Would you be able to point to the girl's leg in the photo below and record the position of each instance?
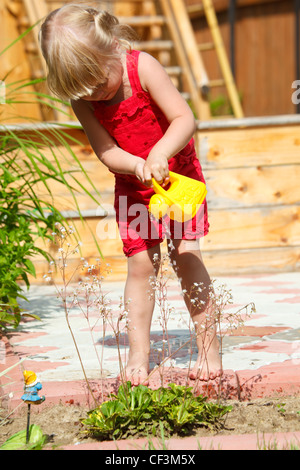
(196, 285)
(140, 308)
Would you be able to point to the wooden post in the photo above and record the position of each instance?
(192, 50)
(200, 103)
(222, 57)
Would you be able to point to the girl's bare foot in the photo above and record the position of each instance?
(208, 365)
(137, 370)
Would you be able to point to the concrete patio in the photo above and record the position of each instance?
(260, 359)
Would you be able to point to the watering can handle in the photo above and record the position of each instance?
(158, 188)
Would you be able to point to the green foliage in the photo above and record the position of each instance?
(281, 407)
(17, 242)
(25, 215)
(37, 440)
(142, 411)
(220, 106)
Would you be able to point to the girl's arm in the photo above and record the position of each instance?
(104, 145)
(156, 81)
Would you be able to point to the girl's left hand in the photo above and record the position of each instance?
(156, 168)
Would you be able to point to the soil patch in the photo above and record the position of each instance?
(61, 423)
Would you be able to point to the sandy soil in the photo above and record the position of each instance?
(62, 422)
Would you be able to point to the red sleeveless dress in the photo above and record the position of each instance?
(136, 124)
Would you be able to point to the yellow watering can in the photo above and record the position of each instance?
(181, 200)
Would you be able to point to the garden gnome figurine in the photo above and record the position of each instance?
(32, 388)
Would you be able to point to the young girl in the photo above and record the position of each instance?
(140, 127)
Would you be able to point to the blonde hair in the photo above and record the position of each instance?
(77, 42)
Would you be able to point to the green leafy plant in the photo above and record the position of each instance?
(17, 245)
(281, 407)
(37, 440)
(142, 411)
(26, 172)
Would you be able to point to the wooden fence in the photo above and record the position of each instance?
(252, 169)
(263, 56)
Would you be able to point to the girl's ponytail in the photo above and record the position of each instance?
(108, 28)
(105, 26)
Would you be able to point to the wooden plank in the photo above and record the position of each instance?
(249, 147)
(253, 228)
(221, 263)
(114, 269)
(227, 262)
(197, 10)
(135, 21)
(249, 122)
(259, 185)
(242, 229)
(267, 227)
(126, 8)
(63, 201)
(109, 242)
(100, 176)
(248, 160)
(156, 45)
